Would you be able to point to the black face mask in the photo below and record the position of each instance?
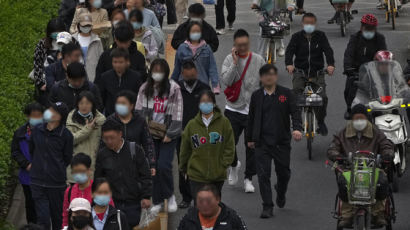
(190, 82)
(80, 222)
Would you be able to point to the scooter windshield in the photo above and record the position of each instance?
(383, 81)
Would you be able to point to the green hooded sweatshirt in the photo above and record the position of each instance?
(206, 153)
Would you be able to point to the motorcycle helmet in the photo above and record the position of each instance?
(369, 19)
(383, 55)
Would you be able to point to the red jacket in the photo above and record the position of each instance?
(76, 193)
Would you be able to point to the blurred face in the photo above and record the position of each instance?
(112, 139)
(195, 17)
(36, 115)
(103, 189)
(120, 64)
(242, 45)
(118, 17)
(80, 219)
(123, 45)
(205, 99)
(56, 116)
(75, 56)
(207, 203)
(189, 75)
(85, 106)
(269, 79)
(81, 213)
(80, 168)
(195, 29)
(124, 101)
(77, 82)
(359, 117)
(309, 21)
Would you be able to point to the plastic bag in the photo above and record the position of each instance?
(149, 220)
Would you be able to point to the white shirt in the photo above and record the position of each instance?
(84, 41)
(123, 142)
(207, 121)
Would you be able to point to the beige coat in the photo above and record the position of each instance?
(86, 140)
(95, 49)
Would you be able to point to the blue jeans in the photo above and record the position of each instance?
(163, 182)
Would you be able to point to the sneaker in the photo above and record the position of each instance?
(249, 188)
(233, 174)
(280, 199)
(333, 19)
(156, 208)
(172, 204)
(184, 204)
(380, 5)
(231, 27)
(185, 17)
(322, 130)
(281, 51)
(220, 32)
(267, 213)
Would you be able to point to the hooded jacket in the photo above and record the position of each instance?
(150, 45)
(136, 130)
(228, 219)
(111, 223)
(95, 49)
(206, 152)
(20, 151)
(347, 140)
(204, 60)
(208, 34)
(51, 153)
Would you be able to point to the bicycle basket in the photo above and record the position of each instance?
(312, 100)
(273, 29)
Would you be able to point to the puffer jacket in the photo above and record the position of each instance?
(95, 49)
(86, 140)
(347, 140)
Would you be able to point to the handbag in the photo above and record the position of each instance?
(157, 130)
(232, 92)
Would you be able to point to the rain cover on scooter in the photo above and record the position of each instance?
(382, 82)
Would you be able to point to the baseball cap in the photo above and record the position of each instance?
(85, 19)
(64, 37)
(80, 204)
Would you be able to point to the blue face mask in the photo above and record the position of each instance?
(121, 109)
(102, 200)
(368, 35)
(309, 28)
(97, 4)
(33, 121)
(206, 107)
(80, 178)
(54, 35)
(47, 116)
(195, 36)
(85, 115)
(136, 25)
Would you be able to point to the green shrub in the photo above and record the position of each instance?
(22, 25)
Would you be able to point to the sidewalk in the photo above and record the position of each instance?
(17, 213)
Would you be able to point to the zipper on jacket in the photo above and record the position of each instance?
(209, 155)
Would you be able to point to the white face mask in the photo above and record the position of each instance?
(85, 29)
(360, 124)
(157, 77)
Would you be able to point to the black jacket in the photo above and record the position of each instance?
(288, 109)
(360, 51)
(61, 91)
(228, 219)
(16, 153)
(137, 131)
(308, 53)
(66, 12)
(51, 154)
(137, 62)
(208, 34)
(129, 176)
(54, 73)
(110, 85)
(111, 223)
(191, 100)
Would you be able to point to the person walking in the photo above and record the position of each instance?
(51, 148)
(85, 122)
(21, 154)
(191, 87)
(220, 17)
(125, 167)
(207, 146)
(149, 16)
(79, 216)
(160, 103)
(240, 70)
(271, 111)
(304, 60)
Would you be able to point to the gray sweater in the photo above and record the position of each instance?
(231, 73)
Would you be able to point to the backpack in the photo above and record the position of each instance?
(160, 37)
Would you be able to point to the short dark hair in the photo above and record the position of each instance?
(81, 159)
(131, 96)
(77, 118)
(111, 125)
(240, 33)
(68, 48)
(117, 11)
(124, 31)
(188, 64)
(209, 93)
(196, 9)
(267, 68)
(309, 15)
(97, 183)
(33, 107)
(76, 70)
(137, 14)
(119, 52)
(210, 188)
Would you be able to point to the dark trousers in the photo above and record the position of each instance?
(239, 122)
(280, 155)
(163, 182)
(219, 12)
(132, 211)
(29, 202)
(299, 3)
(196, 186)
(49, 205)
(171, 12)
(350, 91)
(184, 187)
(299, 82)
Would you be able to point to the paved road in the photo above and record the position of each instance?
(312, 187)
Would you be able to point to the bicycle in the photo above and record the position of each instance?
(274, 27)
(391, 12)
(342, 15)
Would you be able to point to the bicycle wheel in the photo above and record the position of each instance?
(343, 24)
(309, 137)
(393, 11)
(269, 52)
(360, 223)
